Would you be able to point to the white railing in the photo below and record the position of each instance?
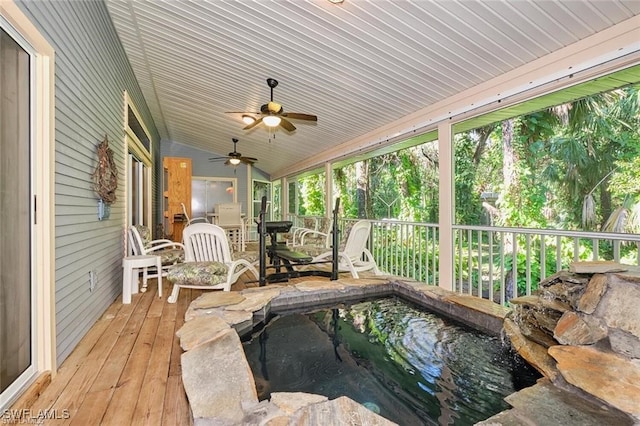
(406, 249)
(484, 255)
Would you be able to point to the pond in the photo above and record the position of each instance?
(397, 359)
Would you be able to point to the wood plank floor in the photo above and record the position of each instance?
(126, 370)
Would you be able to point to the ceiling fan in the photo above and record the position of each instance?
(272, 114)
(234, 158)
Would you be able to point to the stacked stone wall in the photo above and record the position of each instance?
(582, 328)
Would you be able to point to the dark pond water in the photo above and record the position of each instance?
(407, 364)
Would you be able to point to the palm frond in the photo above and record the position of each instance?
(633, 223)
(617, 221)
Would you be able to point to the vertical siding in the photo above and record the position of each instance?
(91, 74)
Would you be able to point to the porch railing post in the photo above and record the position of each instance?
(446, 208)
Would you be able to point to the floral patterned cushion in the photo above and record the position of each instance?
(309, 222)
(145, 234)
(198, 273)
(249, 256)
(170, 256)
(311, 250)
(324, 225)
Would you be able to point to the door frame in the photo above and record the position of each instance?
(134, 147)
(42, 126)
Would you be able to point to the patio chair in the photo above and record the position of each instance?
(354, 256)
(293, 236)
(190, 220)
(229, 218)
(141, 244)
(208, 263)
(320, 237)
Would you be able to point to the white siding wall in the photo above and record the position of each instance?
(91, 74)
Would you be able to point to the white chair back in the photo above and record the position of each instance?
(205, 242)
(357, 240)
(136, 244)
(229, 214)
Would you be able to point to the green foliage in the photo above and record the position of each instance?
(468, 203)
(312, 194)
(588, 148)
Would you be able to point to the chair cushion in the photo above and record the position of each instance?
(312, 250)
(250, 256)
(145, 234)
(170, 256)
(198, 273)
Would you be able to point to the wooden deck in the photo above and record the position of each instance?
(126, 370)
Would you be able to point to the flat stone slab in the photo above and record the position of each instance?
(264, 413)
(576, 329)
(589, 300)
(481, 305)
(545, 404)
(255, 301)
(200, 330)
(533, 353)
(361, 282)
(218, 363)
(236, 317)
(290, 402)
(607, 376)
(619, 306)
(431, 291)
(596, 267)
(217, 299)
(319, 285)
(339, 411)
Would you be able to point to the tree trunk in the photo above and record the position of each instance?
(483, 137)
(362, 185)
(605, 201)
(509, 159)
(508, 155)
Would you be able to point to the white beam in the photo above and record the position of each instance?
(446, 197)
(328, 189)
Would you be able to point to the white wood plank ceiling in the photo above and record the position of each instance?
(359, 66)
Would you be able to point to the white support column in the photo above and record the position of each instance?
(249, 199)
(284, 198)
(446, 205)
(328, 189)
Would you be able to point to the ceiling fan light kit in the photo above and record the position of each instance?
(234, 158)
(271, 120)
(247, 119)
(272, 114)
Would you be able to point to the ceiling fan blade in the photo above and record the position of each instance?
(248, 160)
(298, 116)
(217, 158)
(287, 125)
(254, 124)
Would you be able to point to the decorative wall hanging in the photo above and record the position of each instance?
(105, 177)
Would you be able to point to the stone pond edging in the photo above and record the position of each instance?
(222, 391)
(216, 375)
(582, 332)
